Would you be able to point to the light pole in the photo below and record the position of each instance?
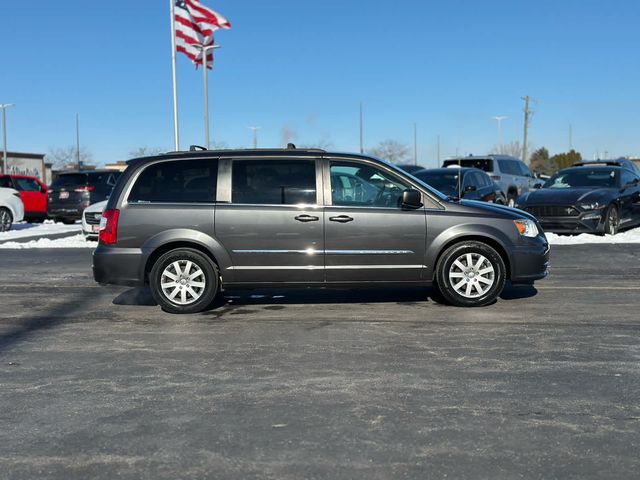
(204, 49)
(255, 136)
(499, 119)
(4, 107)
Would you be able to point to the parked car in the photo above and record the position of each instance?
(513, 175)
(32, 192)
(72, 192)
(410, 168)
(281, 221)
(467, 183)
(620, 162)
(91, 220)
(11, 208)
(598, 199)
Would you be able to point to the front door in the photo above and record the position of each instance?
(368, 236)
(273, 226)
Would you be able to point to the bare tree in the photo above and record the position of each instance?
(66, 157)
(391, 150)
(323, 143)
(513, 149)
(288, 134)
(145, 151)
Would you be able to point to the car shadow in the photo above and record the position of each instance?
(141, 296)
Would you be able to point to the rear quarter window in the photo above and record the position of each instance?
(181, 181)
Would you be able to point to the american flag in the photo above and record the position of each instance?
(195, 25)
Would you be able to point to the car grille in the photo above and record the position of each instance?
(92, 218)
(553, 211)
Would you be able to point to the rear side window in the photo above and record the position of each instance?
(274, 182)
(485, 164)
(183, 181)
(70, 180)
(5, 182)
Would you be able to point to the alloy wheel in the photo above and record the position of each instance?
(183, 282)
(471, 275)
(5, 220)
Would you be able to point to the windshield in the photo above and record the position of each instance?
(446, 182)
(584, 177)
(70, 180)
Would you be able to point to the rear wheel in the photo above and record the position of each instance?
(5, 220)
(612, 221)
(184, 281)
(470, 274)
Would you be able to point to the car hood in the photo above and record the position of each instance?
(489, 209)
(568, 196)
(97, 207)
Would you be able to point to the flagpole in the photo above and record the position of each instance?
(205, 62)
(176, 134)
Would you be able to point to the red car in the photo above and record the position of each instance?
(32, 192)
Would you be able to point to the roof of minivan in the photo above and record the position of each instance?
(97, 170)
(280, 152)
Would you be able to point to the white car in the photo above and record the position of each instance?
(11, 208)
(91, 220)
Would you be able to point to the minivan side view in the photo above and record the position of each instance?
(189, 224)
(512, 174)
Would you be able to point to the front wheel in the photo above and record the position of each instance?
(470, 274)
(612, 221)
(184, 281)
(5, 220)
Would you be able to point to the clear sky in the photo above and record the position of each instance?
(303, 66)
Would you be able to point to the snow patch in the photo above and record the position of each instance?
(48, 227)
(76, 241)
(630, 236)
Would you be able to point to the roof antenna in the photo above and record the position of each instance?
(291, 146)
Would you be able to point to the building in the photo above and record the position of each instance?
(32, 164)
(119, 166)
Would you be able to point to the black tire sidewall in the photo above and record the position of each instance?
(8, 212)
(447, 259)
(607, 220)
(211, 277)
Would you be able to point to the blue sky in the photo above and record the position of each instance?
(304, 66)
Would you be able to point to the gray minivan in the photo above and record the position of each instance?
(190, 223)
(511, 174)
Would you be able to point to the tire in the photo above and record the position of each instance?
(184, 289)
(6, 219)
(612, 221)
(68, 221)
(462, 286)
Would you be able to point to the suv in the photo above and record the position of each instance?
(72, 192)
(512, 175)
(32, 192)
(189, 223)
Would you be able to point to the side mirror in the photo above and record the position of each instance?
(411, 199)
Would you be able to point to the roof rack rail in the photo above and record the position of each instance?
(197, 148)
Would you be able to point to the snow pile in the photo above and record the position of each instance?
(76, 241)
(48, 227)
(630, 236)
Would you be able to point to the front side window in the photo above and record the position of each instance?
(273, 182)
(181, 181)
(361, 185)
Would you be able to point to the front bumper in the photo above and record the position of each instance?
(118, 266)
(587, 222)
(530, 262)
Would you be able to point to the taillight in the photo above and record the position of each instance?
(109, 227)
(495, 177)
(88, 188)
(16, 194)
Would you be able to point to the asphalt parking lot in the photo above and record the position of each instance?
(96, 382)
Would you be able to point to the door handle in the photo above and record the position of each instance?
(341, 219)
(307, 218)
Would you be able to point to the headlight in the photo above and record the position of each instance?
(591, 206)
(526, 228)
